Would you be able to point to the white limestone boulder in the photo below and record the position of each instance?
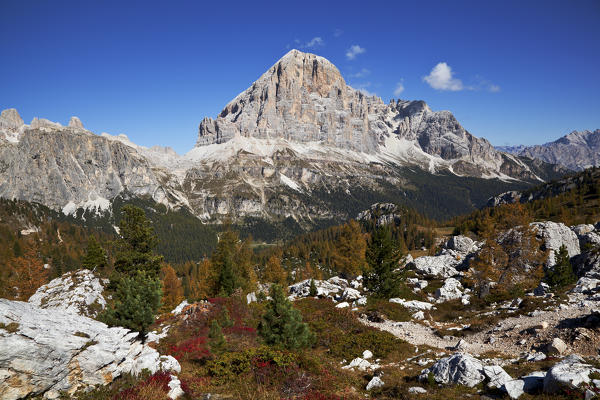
(459, 369)
(442, 266)
(375, 383)
(450, 290)
(569, 373)
(413, 305)
(554, 235)
(78, 292)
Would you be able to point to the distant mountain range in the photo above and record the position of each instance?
(576, 151)
(299, 148)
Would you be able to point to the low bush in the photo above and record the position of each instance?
(351, 346)
(230, 364)
(393, 311)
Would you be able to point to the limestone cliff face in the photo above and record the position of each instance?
(302, 98)
(71, 167)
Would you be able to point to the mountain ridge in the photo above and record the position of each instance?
(577, 150)
(297, 144)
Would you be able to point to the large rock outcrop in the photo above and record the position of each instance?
(554, 235)
(569, 373)
(48, 351)
(304, 99)
(78, 292)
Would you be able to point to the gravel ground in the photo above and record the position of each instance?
(513, 336)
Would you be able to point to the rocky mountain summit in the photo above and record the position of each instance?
(304, 99)
(576, 151)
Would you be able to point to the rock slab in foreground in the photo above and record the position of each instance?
(46, 351)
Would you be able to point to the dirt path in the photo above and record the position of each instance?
(513, 336)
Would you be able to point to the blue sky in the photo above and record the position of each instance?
(512, 71)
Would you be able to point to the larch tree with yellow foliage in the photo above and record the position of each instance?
(172, 289)
(350, 246)
(274, 272)
(27, 274)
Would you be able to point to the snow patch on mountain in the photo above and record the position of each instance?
(97, 205)
(287, 181)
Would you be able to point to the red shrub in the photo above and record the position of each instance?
(195, 348)
(159, 380)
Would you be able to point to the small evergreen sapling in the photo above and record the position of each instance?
(382, 256)
(136, 300)
(216, 339)
(561, 274)
(282, 324)
(95, 256)
(312, 290)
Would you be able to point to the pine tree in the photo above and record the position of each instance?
(227, 280)
(216, 339)
(282, 324)
(136, 244)
(26, 275)
(312, 290)
(561, 274)
(137, 280)
(381, 279)
(136, 300)
(348, 257)
(226, 320)
(227, 276)
(95, 256)
(201, 280)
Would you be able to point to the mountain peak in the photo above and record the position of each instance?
(301, 98)
(10, 118)
(307, 70)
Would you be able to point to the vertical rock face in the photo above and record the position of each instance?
(10, 119)
(59, 166)
(75, 123)
(302, 98)
(11, 125)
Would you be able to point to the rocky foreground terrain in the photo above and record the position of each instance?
(536, 343)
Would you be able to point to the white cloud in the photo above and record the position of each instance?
(440, 78)
(317, 41)
(338, 33)
(399, 89)
(363, 88)
(314, 42)
(353, 51)
(360, 74)
(481, 83)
